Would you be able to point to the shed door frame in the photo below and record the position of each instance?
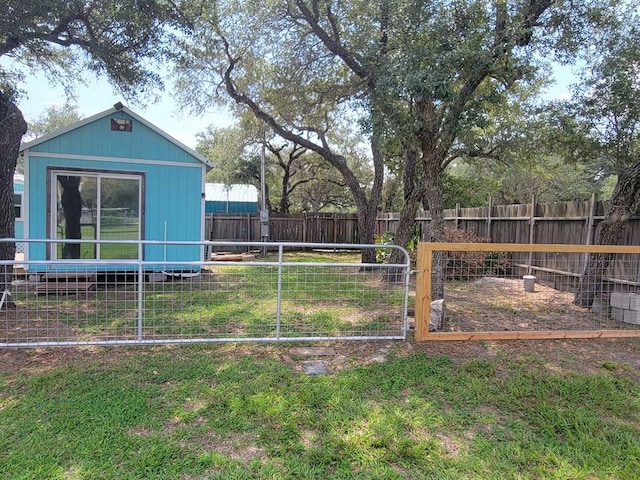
(53, 188)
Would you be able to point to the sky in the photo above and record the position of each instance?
(98, 96)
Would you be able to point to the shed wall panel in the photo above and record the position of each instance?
(97, 139)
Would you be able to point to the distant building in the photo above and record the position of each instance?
(221, 198)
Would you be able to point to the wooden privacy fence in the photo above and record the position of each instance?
(508, 291)
(307, 227)
(538, 223)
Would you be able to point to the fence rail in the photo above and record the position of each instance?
(500, 291)
(324, 293)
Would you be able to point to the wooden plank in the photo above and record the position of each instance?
(231, 257)
(528, 335)
(65, 287)
(519, 247)
(423, 292)
(68, 276)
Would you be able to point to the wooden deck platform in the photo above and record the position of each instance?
(66, 283)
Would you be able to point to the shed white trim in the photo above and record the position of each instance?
(96, 158)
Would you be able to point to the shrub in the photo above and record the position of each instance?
(469, 265)
(382, 254)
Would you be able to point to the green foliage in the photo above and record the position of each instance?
(382, 254)
(53, 118)
(470, 265)
(118, 39)
(297, 179)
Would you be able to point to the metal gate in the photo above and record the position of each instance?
(242, 292)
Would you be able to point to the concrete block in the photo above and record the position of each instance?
(156, 277)
(620, 300)
(436, 315)
(314, 368)
(600, 307)
(632, 316)
(617, 314)
(634, 302)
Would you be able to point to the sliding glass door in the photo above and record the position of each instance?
(95, 206)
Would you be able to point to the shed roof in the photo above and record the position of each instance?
(111, 111)
(219, 192)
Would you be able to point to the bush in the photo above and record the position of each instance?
(471, 265)
(382, 254)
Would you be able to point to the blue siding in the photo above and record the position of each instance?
(97, 139)
(216, 206)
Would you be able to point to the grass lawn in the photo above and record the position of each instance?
(512, 410)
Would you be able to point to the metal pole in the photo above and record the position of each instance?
(263, 194)
(263, 183)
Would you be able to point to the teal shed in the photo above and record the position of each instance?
(112, 176)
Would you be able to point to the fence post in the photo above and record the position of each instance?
(590, 228)
(248, 229)
(423, 292)
(489, 212)
(532, 232)
(304, 227)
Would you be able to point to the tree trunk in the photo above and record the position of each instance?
(406, 222)
(624, 203)
(286, 177)
(72, 207)
(433, 184)
(367, 218)
(12, 128)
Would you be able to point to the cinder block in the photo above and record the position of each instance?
(620, 300)
(634, 301)
(632, 316)
(618, 314)
(600, 307)
(156, 277)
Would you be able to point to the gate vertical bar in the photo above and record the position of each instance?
(279, 301)
(405, 301)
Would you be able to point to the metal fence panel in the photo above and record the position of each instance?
(321, 293)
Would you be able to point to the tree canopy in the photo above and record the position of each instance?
(121, 40)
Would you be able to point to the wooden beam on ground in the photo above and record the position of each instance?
(528, 335)
(69, 288)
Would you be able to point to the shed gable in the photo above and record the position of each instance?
(98, 138)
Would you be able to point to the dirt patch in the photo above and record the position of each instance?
(501, 304)
(587, 356)
(582, 356)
